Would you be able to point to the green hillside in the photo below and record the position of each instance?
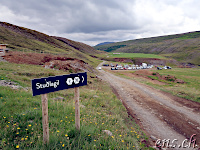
(182, 47)
(27, 40)
(21, 113)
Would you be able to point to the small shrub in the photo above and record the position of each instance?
(51, 74)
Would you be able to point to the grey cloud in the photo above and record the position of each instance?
(77, 15)
(104, 20)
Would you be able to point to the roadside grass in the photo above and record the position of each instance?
(189, 90)
(21, 115)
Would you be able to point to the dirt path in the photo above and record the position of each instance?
(159, 115)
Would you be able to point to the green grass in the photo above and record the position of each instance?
(21, 115)
(189, 90)
(135, 55)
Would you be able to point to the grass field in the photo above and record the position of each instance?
(189, 90)
(134, 55)
(21, 115)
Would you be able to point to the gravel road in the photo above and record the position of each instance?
(160, 115)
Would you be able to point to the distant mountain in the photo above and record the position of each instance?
(27, 40)
(104, 43)
(182, 47)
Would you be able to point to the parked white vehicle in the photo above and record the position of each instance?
(144, 65)
(138, 68)
(165, 67)
(151, 66)
(119, 67)
(99, 68)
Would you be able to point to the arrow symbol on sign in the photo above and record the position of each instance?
(83, 79)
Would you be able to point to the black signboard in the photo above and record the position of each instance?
(56, 83)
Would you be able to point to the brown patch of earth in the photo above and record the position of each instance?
(123, 60)
(150, 74)
(48, 61)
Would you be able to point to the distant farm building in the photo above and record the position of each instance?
(3, 49)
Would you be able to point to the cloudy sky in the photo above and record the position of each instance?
(96, 21)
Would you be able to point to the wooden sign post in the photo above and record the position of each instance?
(45, 122)
(77, 108)
(56, 83)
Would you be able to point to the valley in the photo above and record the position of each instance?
(120, 109)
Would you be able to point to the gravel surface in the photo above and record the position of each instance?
(160, 115)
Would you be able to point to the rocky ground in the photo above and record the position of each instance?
(12, 85)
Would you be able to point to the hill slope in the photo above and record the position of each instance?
(27, 40)
(182, 47)
(104, 43)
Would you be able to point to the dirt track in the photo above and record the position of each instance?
(159, 114)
